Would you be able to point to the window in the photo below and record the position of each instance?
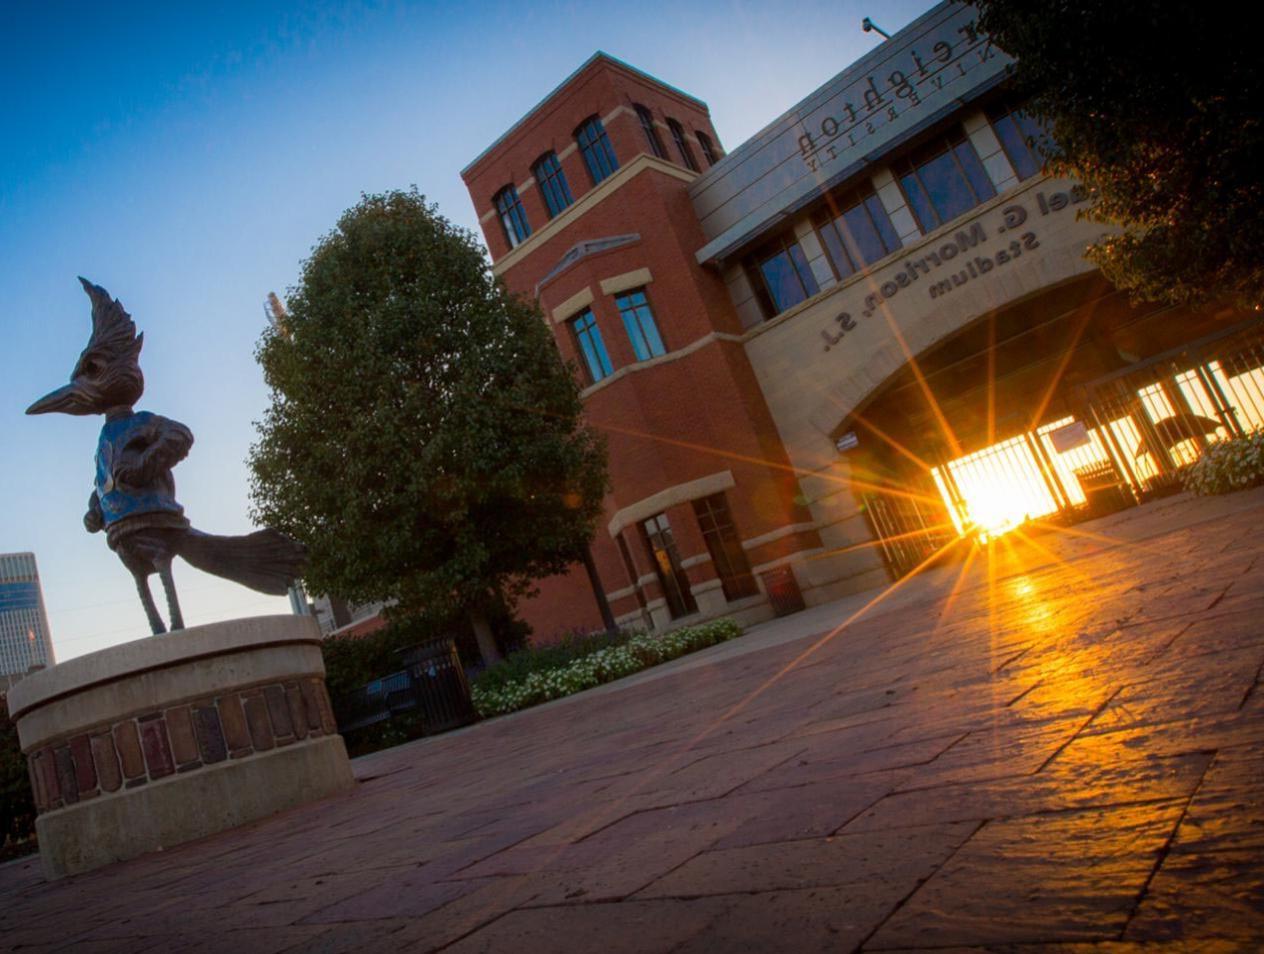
(682, 145)
(512, 215)
(859, 234)
(726, 550)
(552, 182)
(651, 134)
(638, 318)
(708, 148)
(943, 180)
(782, 277)
(1019, 133)
(671, 576)
(594, 146)
(588, 339)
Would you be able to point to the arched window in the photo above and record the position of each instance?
(709, 151)
(512, 216)
(552, 182)
(651, 134)
(682, 144)
(594, 146)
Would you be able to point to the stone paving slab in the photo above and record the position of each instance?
(1061, 749)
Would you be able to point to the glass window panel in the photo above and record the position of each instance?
(709, 151)
(638, 319)
(806, 277)
(591, 346)
(553, 184)
(979, 180)
(844, 265)
(512, 216)
(858, 230)
(595, 147)
(682, 145)
(651, 133)
(947, 187)
(882, 222)
(927, 218)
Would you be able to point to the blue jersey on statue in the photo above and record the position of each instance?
(135, 454)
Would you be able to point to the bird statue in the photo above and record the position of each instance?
(134, 497)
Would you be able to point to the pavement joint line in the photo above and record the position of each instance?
(918, 887)
(1034, 686)
(1250, 690)
(839, 830)
(1076, 734)
(1165, 849)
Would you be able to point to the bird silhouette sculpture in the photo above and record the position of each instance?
(134, 498)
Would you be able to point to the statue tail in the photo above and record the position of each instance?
(266, 560)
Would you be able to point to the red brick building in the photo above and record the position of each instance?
(865, 337)
(585, 207)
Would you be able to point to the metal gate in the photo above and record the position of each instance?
(1160, 414)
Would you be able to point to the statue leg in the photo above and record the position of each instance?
(147, 600)
(169, 587)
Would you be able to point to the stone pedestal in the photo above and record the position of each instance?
(163, 740)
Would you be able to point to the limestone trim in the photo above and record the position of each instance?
(573, 305)
(141, 656)
(669, 497)
(792, 558)
(619, 283)
(587, 202)
(671, 356)
(622, 594)
(773, 535)
(706, 586)
(696, 560)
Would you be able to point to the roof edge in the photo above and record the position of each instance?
(599, 56)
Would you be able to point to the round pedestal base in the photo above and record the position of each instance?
(160, 741)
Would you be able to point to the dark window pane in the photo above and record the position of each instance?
(882, 222)
(638, 319)
(943, 180)
(651, 133)
(595, 147)
(682, 145)
(948, 190)
(920, 202)
(709, 152)
(512, 216)
(725, 548)
(588, 337)
(844, 264)
(786, 277)
(979, 180)
(661, 544)
(1020, 134)
(552, 181)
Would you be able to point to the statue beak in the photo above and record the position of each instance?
(70, 399)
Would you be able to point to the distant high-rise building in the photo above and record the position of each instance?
(24, 636)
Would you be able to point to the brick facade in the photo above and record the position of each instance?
(688, 423)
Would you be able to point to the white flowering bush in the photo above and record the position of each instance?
(496, 697)
(1227, 466)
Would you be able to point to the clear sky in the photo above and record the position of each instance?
(188, 161)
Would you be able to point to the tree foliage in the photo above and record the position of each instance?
(424, 439)
(1155, 108)
(17, 805)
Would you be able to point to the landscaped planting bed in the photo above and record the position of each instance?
(496, 693)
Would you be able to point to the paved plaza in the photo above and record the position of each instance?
(1061, 746)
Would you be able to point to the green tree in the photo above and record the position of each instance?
(1155, 108)
(424, 439)
(17, 805)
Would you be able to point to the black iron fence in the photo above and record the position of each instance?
(1134, 434)
(431, 690)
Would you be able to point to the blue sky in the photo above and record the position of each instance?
(188, 161)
